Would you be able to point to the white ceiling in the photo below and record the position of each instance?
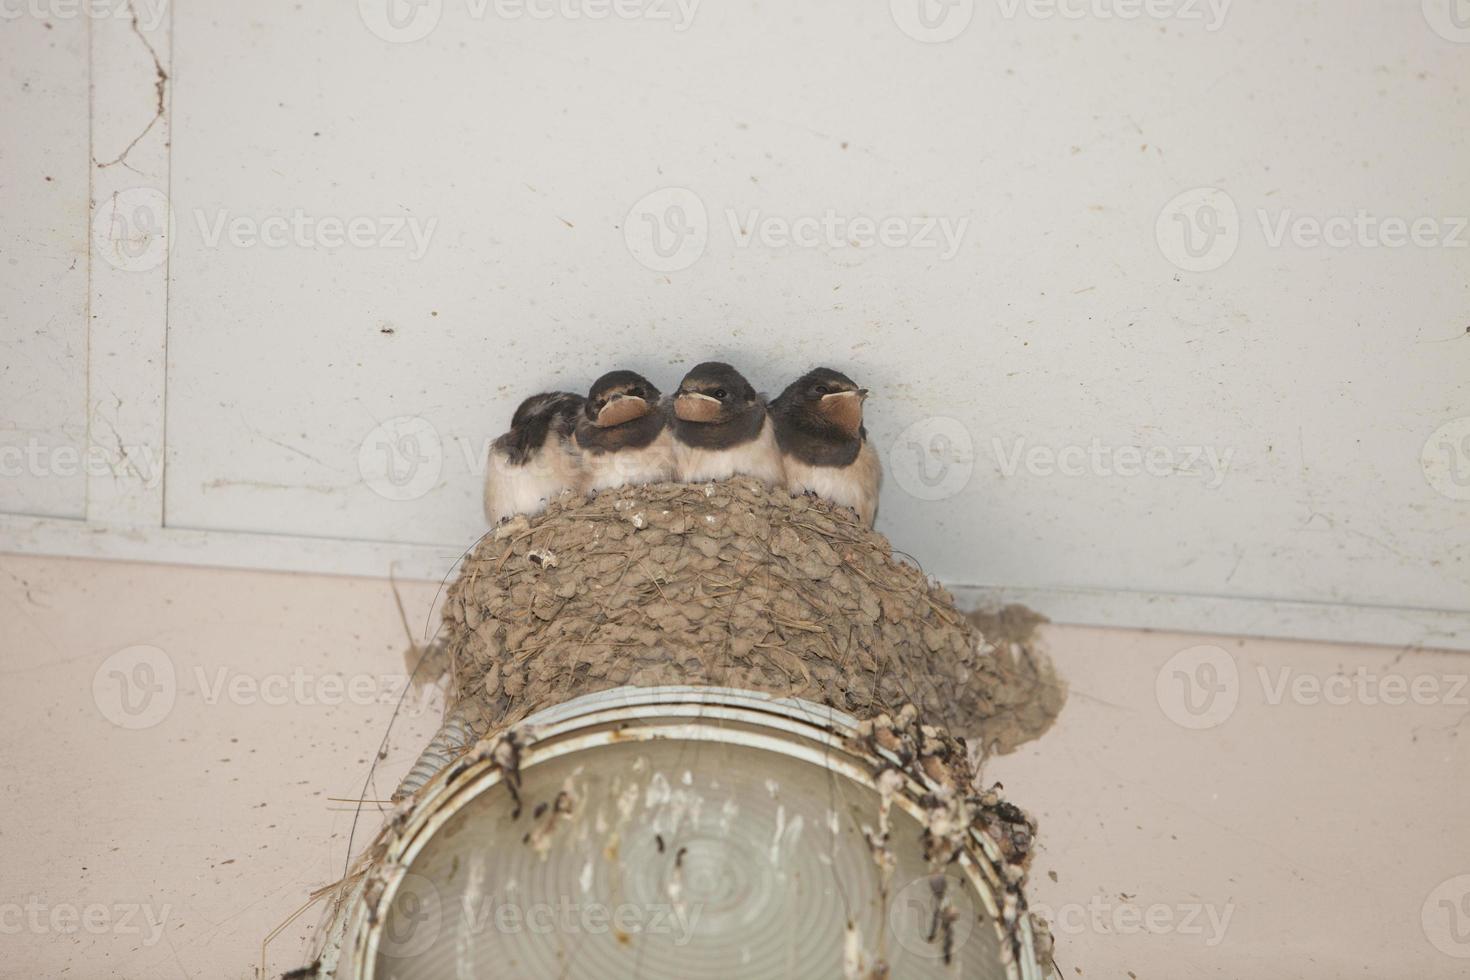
(524, 147)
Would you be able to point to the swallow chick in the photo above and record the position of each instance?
(824, 447)
(537, 460)
(721, 428)
(623, 434)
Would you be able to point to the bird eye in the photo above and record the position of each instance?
(822, 390)
(720, 393)
(636, 392)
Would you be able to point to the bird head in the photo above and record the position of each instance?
(618, 397)
(830, 396)
(713, 392)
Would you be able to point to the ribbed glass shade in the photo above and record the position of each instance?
(674, 859)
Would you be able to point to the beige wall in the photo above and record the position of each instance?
(1294, 840)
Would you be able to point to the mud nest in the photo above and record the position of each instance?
(729, 584)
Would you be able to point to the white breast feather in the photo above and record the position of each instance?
(654, 463)
(760, 458)
(526, 489)
(854, 486)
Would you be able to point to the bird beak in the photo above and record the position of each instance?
(691, 406)
(845, 409)
(620, 409)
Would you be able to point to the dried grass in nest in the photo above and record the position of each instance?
(731, 584)
(728, 584)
